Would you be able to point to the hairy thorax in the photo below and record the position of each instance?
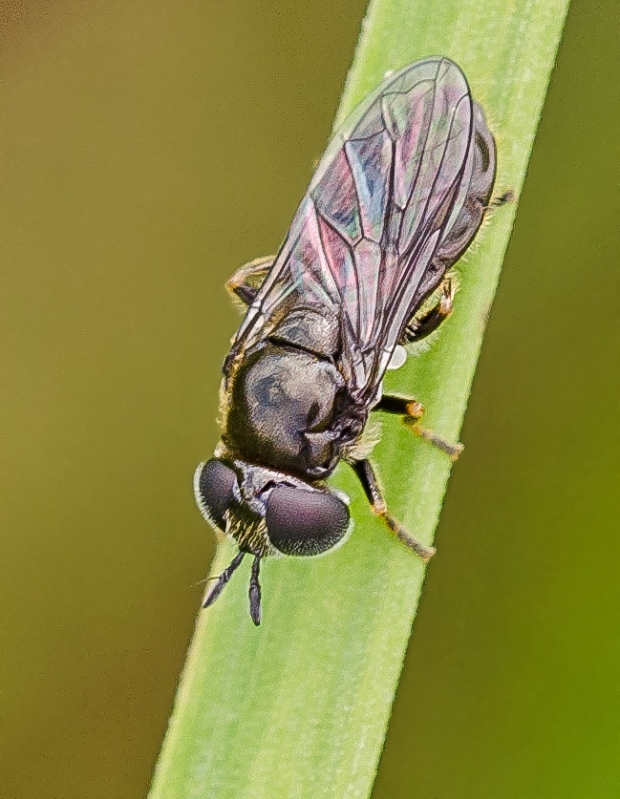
(284, 405)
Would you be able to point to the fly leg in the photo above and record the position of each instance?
(246, 281)
(411, 410)
(419, 328)
(408, 407)
(502, 199)
(370, 484)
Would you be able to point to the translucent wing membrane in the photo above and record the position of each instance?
(365, 243)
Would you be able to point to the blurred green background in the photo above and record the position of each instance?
(149, 148)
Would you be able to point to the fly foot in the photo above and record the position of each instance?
(452, 450)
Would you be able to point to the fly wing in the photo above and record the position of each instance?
(385, 195)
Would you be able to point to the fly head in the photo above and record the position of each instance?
(267, 513)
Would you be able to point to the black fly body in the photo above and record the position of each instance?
(396, 200)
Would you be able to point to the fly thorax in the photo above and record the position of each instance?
(283, 402)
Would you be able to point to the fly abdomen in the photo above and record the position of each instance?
(281, 410)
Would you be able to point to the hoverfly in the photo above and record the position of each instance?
(395, 201)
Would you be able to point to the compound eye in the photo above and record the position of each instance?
(303, 522)
(214, 484)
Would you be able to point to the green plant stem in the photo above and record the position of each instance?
(299, 707)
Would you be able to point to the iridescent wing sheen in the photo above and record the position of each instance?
(385, 195)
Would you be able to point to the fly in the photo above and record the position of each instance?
(396, 200)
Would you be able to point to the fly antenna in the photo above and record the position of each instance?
(255, 611)
(223, 579)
